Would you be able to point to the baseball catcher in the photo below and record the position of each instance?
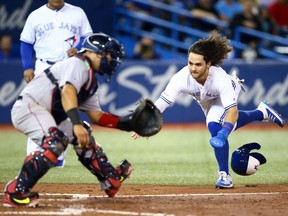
(50, 117)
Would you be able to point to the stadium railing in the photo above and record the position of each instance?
(125, 26)
(271, 40)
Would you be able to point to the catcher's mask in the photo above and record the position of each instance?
(245, 163)
(103, 44)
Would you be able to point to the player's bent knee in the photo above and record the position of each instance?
(54, 142)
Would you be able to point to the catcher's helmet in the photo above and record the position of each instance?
(245, 163)
(102, 43)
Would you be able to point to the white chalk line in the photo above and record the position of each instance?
(79, 211)
(87, 196)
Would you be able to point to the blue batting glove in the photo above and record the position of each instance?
(218, 141)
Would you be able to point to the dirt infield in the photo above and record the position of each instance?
(87, 200)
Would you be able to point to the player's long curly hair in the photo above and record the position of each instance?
(214, 49)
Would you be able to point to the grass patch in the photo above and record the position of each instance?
(172, 157)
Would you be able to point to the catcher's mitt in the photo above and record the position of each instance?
(146, 119)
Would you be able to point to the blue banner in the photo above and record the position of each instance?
(136, 80)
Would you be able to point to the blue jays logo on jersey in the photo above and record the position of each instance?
(71, 40)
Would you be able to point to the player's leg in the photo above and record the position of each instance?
(32, 147)
(214, 116)
(67, 126)
(264, 112)
(61, 160)
(222, 157)
(17, 192)
(34, 121)
(95, 160)
(64, 126)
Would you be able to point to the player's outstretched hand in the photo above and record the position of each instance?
(136, 136)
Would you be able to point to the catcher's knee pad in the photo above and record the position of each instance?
(55, 141)
(35, 166)
(95, 160)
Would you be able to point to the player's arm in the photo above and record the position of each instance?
(26, 51)
(167, 97)
(94, 116)
(70, 105)
(105, 119)
(232, 115)
(220, 139)
(229, 121)
(146, 119)
(228, 94)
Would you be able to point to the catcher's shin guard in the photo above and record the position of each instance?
(35, 166)
(95, 160)
(38, 163)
